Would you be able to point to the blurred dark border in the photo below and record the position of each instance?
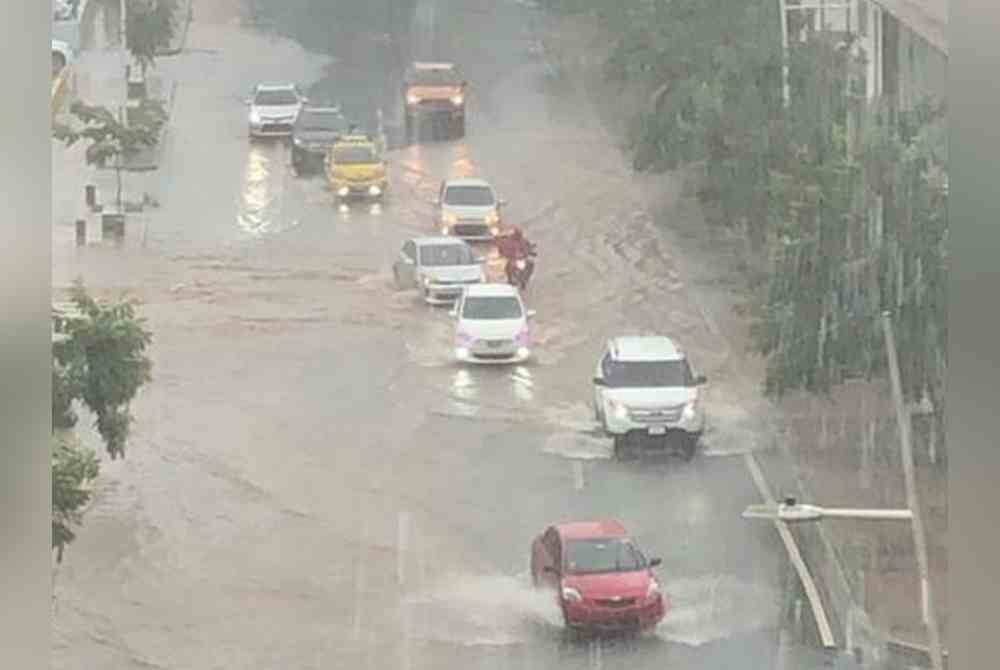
(974, 358)
(25, 339)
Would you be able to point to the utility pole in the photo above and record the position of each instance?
(912, 501)
(783, 8)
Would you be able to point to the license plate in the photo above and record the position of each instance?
(657, 430)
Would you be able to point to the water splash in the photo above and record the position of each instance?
(483, 611)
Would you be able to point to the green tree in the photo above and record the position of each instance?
(150, 27)
(72, 469)
(844, 203)
(111, 139)
(102, 363)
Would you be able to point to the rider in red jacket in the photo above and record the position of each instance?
(513, 246)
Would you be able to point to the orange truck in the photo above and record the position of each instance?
(434, 94)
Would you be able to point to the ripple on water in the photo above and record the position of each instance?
(713, 607)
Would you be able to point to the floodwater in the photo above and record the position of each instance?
(313, 482)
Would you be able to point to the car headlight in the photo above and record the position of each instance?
(619, 410)
(449, 218)
(690, 409)
(413, 99)
(343, 191)
(254, 116)
(653, 590)
(571, 595)
(297, 141)
(493, 218)
(426, 282)
(521, 264)
(445, 230)
(457, 100)
(374, 190)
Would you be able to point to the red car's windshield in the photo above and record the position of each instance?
(597, 555)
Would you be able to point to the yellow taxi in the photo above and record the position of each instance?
(356, 168)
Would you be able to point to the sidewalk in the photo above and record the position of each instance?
(99, 80)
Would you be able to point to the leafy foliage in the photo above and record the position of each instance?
(104, 364)
(150, 27)
(109, 137)
(848, 202)
(111, 140)
(72, 469)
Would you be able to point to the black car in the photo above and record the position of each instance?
(315, 129)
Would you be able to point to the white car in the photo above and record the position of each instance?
(644, 389)
(274, 109)
(492, 325)
(440, 267)
(469, 209)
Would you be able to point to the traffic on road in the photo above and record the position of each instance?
(466, 374)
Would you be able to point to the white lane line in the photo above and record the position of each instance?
(578, 475)
(402, 539)
(359, 580)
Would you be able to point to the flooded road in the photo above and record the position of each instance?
(313, 481)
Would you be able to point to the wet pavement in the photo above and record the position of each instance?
(313, 483)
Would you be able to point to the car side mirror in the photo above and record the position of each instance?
(653, 562)
(599, 381)
(700, 379)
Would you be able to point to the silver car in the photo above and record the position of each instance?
(469, 209)
(440, 267)
(273, 109)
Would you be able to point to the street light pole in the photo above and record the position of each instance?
(903, 418)
(790, 511)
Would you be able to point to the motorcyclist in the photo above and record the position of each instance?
(514, 246)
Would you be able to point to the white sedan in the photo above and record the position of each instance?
(274, 109)
(492, 325)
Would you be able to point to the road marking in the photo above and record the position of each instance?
(402, 538)
(808, 584)
(359, 581)
(578, 475)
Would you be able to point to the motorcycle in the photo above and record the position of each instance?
(520, 270)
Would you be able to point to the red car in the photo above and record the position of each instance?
(603, 582)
